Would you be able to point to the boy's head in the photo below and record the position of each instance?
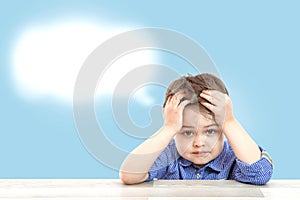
(200, 140)
(192, 86)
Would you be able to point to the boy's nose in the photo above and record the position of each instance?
(199, 140)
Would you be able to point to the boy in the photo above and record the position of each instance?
(190, 145)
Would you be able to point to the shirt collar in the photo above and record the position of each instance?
(218, 163)
(183, 162)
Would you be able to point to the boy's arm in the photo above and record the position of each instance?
(136, 165)
(243, 146)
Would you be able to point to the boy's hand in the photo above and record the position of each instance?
(220, 104)
(173, 111)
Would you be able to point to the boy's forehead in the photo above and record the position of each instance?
(195, 109)
(193, 117)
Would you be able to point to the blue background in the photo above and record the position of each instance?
(254, 44)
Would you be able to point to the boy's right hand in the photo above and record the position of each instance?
(173, 111)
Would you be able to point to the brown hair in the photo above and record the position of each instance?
(192, 86)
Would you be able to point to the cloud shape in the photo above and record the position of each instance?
(47, 59)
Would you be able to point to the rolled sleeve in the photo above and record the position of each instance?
(258, 173)
(155, 174)
(160, 167)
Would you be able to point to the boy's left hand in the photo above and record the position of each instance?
(220, 104)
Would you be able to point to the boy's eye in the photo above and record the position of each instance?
(188, 133)
(211, 131)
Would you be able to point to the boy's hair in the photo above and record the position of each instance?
(192, 86)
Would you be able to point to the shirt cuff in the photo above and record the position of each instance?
(257, 167)
(151, 176)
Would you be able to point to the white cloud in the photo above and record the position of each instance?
(124, 65)
(47, 59)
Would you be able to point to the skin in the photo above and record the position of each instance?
(200, 139)
(200, 148)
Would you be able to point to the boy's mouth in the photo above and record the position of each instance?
(200, 153)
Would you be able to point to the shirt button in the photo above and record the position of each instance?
(198, 176)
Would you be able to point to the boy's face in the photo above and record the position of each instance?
(200, 140)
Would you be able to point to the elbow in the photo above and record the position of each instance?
(264, 179)
(265, 175)
(130, 179)
(260, 181)
(125, 178)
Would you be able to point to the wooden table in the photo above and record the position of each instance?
(162, 189)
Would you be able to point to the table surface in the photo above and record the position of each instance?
(161, 189)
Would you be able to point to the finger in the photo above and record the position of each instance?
(209, 106)
(183, 103)
(209, 98)
(169, 100)
(211, 92)
(175, 99)
(181, 100)
(214, 94)
(179, 95)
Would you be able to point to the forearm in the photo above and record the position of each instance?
(137, 164)
(244, 147)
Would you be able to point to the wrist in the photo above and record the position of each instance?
(169, 130)
(229, 124)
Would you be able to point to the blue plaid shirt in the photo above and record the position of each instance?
(170, 165)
